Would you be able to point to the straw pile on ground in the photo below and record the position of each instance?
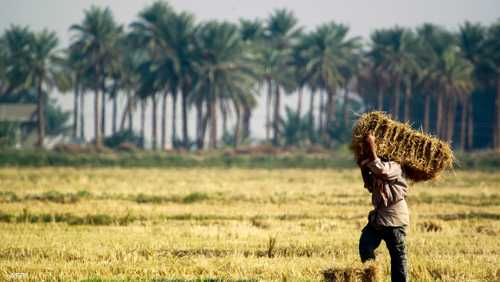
(422, 156)
(370, 272)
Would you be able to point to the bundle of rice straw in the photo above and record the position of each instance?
(422, 156)
(370, 272)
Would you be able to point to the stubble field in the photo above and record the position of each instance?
(266, 225)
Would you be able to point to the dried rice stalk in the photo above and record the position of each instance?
(369, 272)
(422, 156)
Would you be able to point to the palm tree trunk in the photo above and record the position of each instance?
(333, 108)
(470, 125)
(451, 120)
(344, 110)
(268, 108)
(40, 115)
(115, 113)
(125, 112)
(224, 117)
(199, 124)
(204, 126)
(277, 117)
(247, 115)
(75, 109)
(185, 136)
(380, 99)
(237, 126)
(496, 131)
(97, 123)
(213, 123)
(299, 103)
(321, 110)
(311, 109)
(154, 121)
(103, 112)
(463, 124)
(328, 116)
(397, 98)
(164, 121)
(131, 114)
(174, 118)
(427, 110)
(82, 115)
(439, 115)
(407, 113)
(143, 123)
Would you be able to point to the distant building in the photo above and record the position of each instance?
(19, 120)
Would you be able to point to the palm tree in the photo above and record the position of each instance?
(35, 64)
(181, 42)
(376, 65)
(282, 33)
(225, 71)
(442, 70)
(97, 37)
(397, 57)
(330, 54)
(299, 62)
(252, 34)
(492, 61)
(471, 40)
(4, 83)
(431, 43)
(169, 37)
(148, 34)
(456, 81)
(350, 73)
(150, 86)
(76, 66)
(270, 61)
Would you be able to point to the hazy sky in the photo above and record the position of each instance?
(362, 16)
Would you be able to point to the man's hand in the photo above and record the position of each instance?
(370, 138)
(372, 147)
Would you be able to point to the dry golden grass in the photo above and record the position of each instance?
(235, 224)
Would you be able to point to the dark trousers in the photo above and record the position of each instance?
(394, 238)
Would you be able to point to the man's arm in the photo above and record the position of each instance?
(386, 170)
(365, 173)
(372, 147)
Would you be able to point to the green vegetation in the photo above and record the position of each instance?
(445, 82)
(341, 158)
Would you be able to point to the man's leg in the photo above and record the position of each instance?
(394, 238)
(369, 241)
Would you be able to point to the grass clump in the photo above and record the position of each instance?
(55, 197)
(369, 272)
(90, 219)
(8, 197)
(157, 199)
(422, 156)
(430, 226)
(154, 199)
(49, 196)
(195, 197)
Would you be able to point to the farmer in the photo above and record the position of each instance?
(389, 218)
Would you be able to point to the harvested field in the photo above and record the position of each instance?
(239, 224)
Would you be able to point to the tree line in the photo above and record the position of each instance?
(446, 82)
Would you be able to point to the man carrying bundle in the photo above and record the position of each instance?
(389, 219)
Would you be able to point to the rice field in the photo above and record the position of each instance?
(70, 224)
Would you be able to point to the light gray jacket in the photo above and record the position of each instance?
(386, 182)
